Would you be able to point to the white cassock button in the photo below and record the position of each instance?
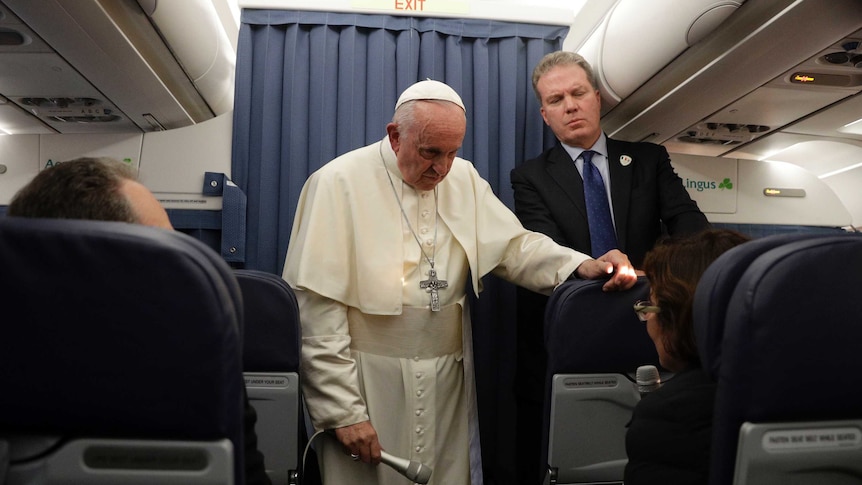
(426, 213)
(418, 412)
(419, 392)
(418, 449)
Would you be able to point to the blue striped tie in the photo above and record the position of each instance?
(602, 235)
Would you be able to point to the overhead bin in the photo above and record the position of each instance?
(193, 31)
(636, 39)
(105, 66)
(739, 60)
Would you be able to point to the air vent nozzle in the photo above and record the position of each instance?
(60, 102)
(722, 133)
(70, 109)
(86, 119)
(11, 37)
(849, 56)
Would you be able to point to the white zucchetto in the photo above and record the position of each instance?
(429, 89)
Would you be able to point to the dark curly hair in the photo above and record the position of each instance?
(674, 268)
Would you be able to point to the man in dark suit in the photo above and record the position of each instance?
(646, 199)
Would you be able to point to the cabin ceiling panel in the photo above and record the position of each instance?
(776, 106)
(48, 88)
(768, 147)
(707, 149)
(107, 51)
(846, 187)
(821, 157)
(757, 44)
(16, 121)
(42, 74)
(825, 123)
(755, 115)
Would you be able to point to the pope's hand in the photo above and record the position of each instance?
(360, 440)
(613, 265)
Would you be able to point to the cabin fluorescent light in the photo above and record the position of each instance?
(769, 156)
(836, 172)
(854, 127)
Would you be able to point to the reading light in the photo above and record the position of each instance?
(776, 192)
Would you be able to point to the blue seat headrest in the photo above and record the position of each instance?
(271, 339)
(715, 289)
(790, 341)
(117, 329)
(591, 330)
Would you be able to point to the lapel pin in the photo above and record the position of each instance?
(625, 160)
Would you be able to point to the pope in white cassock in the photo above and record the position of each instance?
(383, 242)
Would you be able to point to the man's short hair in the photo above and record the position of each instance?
(84, 188)
(562, 58)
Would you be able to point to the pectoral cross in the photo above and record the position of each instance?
(433, 284)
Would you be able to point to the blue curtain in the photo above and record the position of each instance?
(311, 86)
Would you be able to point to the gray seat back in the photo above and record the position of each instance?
(595, 343)
(271, 368)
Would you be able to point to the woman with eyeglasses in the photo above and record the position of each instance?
(669, 435)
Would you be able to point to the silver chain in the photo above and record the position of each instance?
(406, 219)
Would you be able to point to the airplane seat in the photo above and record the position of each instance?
(766, 230)
(120, 357)
(271, 369)
(787, 405)
(715, 288)
(595, 343)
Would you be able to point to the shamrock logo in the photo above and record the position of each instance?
(725, 184)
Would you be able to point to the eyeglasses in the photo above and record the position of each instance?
(643, 307)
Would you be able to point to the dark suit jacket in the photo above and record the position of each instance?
(549, 198)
